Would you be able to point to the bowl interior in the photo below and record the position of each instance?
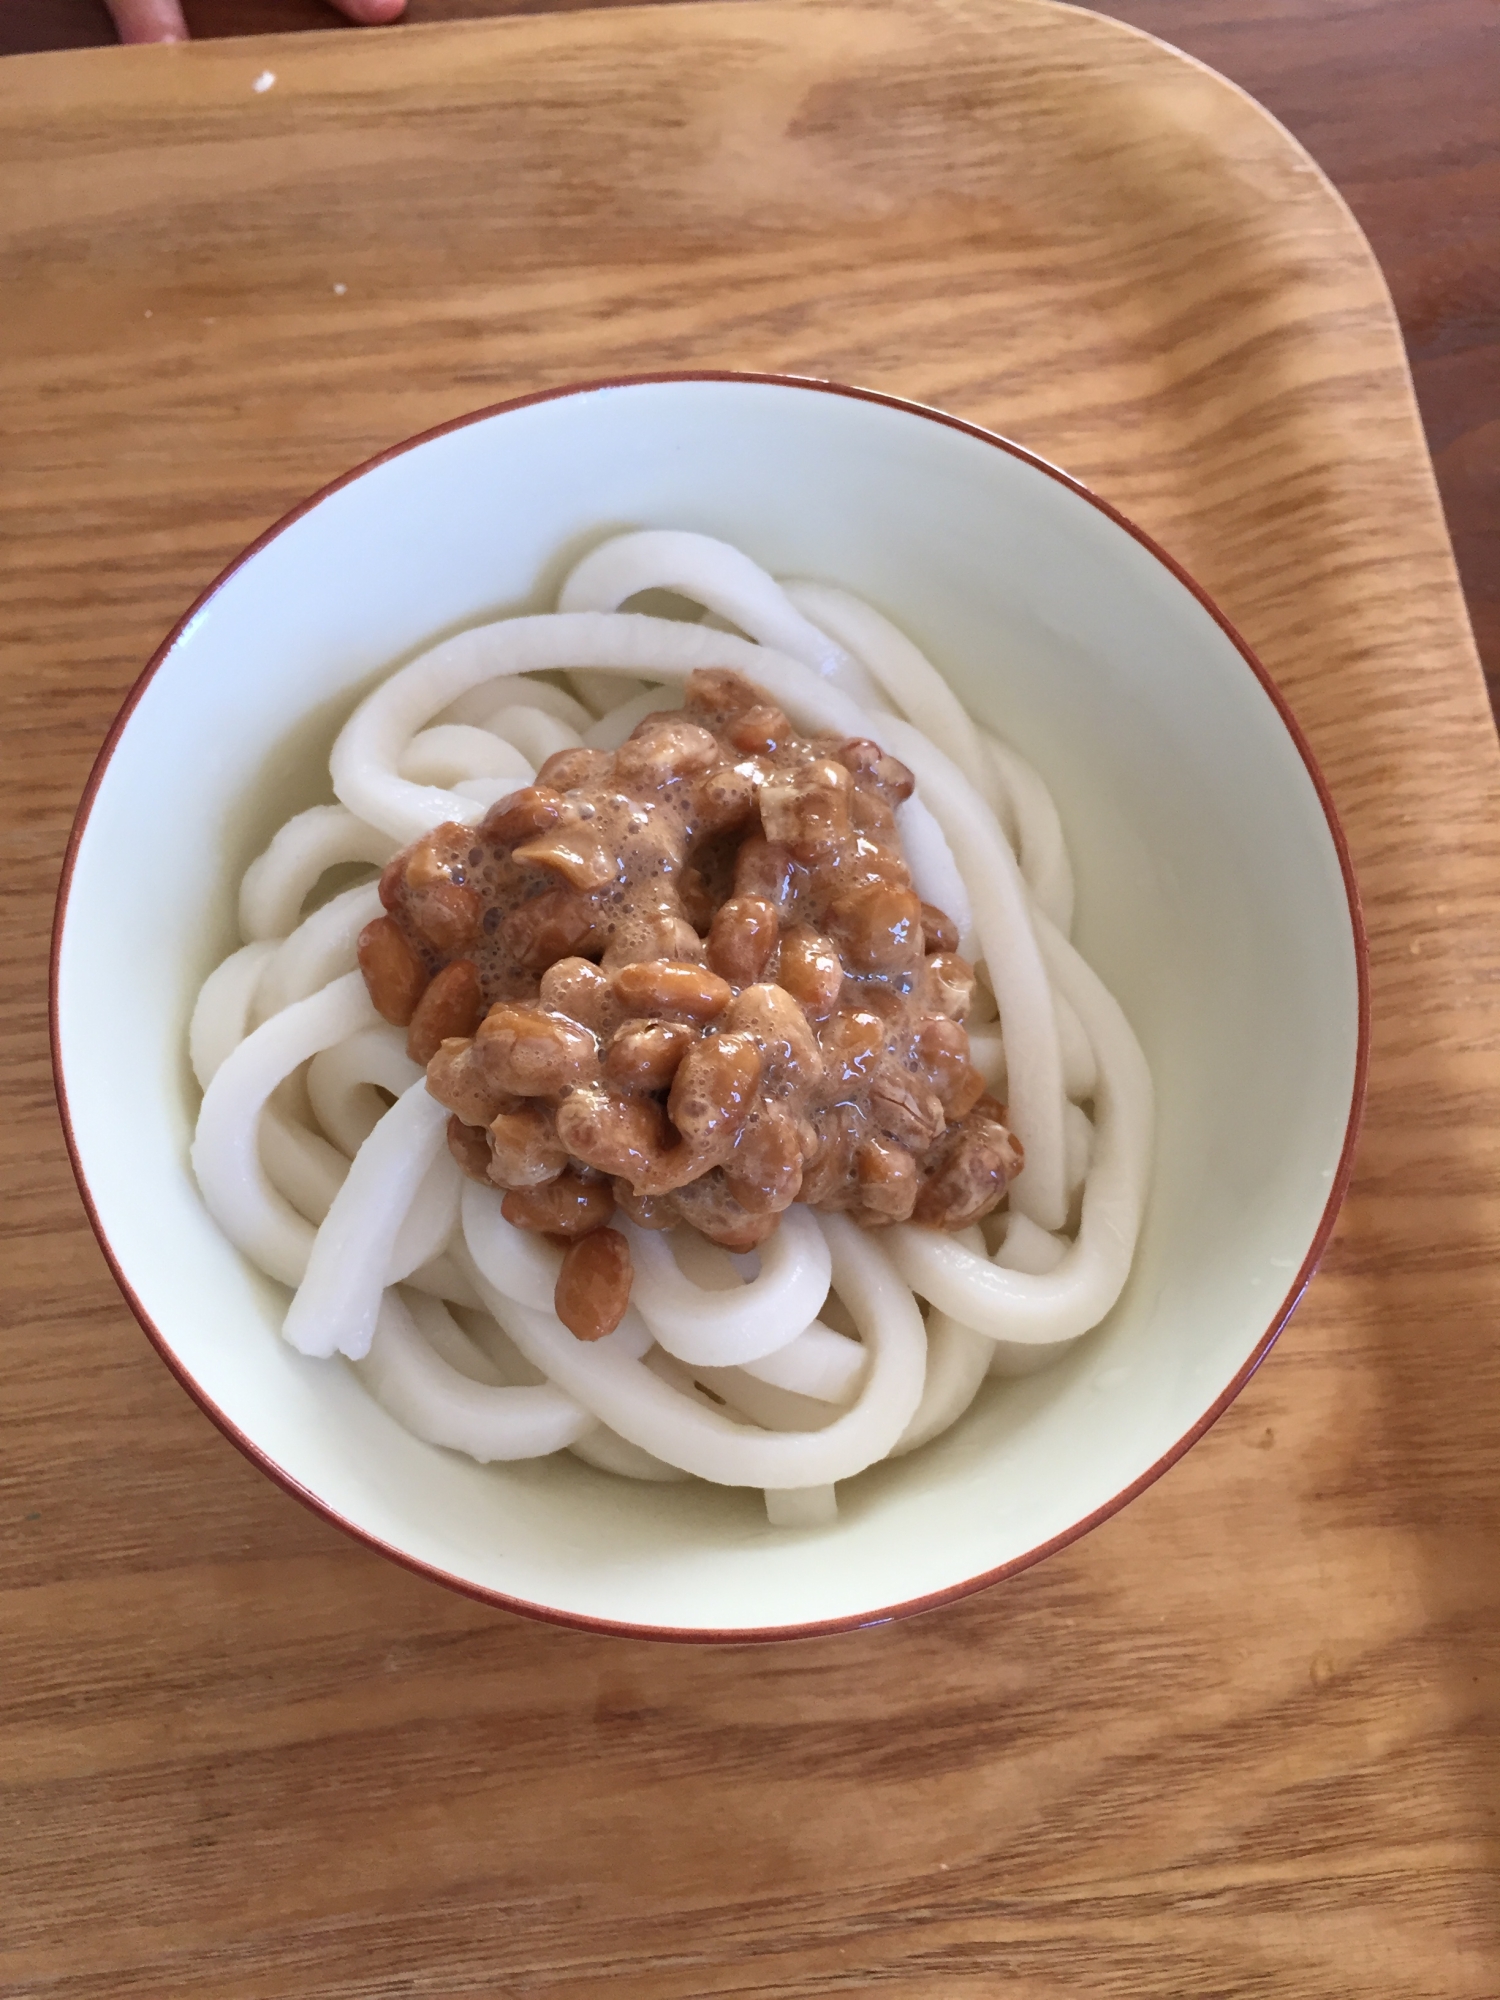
(1210, 899)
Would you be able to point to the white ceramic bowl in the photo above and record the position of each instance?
(1215, 898)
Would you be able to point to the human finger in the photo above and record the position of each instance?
(148, 20)
(371, 13)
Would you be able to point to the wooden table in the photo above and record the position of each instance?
(1395, 99)
(1244, 1740)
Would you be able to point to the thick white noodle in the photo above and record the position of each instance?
(1062, 1304)
(452, 751)
(903, 672)
(609, 1452)
(723, 580)
(318, 950)
(611, 730)
(337, 1302)
(1043, 850)
(505, 1364)
(1002, 777)
(431, 1398)
(300, 1164)
(278, 882)
(819, 1363)
(802, 1507)
(1078, 1140)
(473, 1354)
(226, 1155)
(1024, 1247)
(599, 692)
(1080, 1071)
(818, 1366)
(935, 875)
(443, 1277)
(516, 1262)
(684, 1380)
(428, 1226)
(1002, 917)
(958, 1360)
(773, 1409)
(344, 1083)
(520, 1424)
(537, 697)
(485, 707)
(702, 1440)
(221, 1013)
(721, 1328)
(987, 1053)
(535, 734)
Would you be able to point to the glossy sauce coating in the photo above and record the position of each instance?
(691, 977)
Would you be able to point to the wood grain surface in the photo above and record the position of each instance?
(1395, 99)
(1399, 102)
(1242, 1741)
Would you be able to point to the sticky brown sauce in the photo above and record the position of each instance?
(690, 978)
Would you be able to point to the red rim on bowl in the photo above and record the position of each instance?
(857, 1621)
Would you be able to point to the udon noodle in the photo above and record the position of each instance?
(790, 1366)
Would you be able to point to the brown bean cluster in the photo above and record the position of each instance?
(690, 978)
